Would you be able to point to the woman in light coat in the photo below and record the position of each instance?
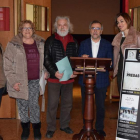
(23, 67)
(128, 37)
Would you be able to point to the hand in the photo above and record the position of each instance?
(16, 86)
(85, 55)
(111, 64)
(58, 75)
(73, 76)
(46, 75)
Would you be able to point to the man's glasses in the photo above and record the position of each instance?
(27, 28)
(95, 28)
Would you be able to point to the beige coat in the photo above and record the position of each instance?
(2, 76)
(15, 65)
(131, 41)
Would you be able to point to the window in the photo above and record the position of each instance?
(135, 17)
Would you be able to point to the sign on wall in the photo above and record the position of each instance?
(128, 127)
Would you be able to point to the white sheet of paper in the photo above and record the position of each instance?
(131, 82)
(42, 82)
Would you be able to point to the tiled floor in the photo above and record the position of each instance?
(10, 129)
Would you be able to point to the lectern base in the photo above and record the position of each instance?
(88, 134)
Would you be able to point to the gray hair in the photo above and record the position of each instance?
(96, 21)
(70, 26)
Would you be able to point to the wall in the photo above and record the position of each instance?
(82, 12)
(7, 109)
(134, 3)
(6, 36)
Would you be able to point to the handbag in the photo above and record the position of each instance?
(4, 92)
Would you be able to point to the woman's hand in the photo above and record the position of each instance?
(16, 86)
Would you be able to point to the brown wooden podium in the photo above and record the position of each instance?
(89, 67)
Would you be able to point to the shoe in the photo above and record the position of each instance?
(1, 138)
(67, 130)
(49, 134)
(26, 130)
(101, 132)
(36, 130)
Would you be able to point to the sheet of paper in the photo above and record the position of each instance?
(42, 82)
(64, 67)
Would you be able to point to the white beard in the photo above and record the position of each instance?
(64, 33)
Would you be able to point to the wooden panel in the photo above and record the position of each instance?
(7, 109)
(134, 3)
(44, 3)
(6, 36)
(82, 12)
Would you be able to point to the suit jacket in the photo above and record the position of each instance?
(105, 51)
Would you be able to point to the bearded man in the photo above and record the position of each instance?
(58, 46)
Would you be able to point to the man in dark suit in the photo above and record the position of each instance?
(97, 47)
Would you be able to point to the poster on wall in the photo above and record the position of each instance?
(128, 125)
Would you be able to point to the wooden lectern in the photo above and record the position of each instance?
(89, 67)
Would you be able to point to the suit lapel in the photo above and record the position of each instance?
(100, 48)
(89, 48)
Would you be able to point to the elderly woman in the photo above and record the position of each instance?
(23, 67)
(127, 38)
(2, 77)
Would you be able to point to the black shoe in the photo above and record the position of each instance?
(67, 130)
(1, 138)
(49, 134)
(36, 129)
(26, 130)
(101, 132)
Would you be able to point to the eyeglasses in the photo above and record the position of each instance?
(95, 28)
(27, 28)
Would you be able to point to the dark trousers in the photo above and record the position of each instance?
(1, 89)
(100, 95)
(54, 90)
(119, 82)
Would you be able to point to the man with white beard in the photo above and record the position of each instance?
(58, 46)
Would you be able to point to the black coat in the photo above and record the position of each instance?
(54, 51)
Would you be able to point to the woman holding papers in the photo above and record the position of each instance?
(23, 67)
(127, 38)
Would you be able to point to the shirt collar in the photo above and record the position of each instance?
(95, 42)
